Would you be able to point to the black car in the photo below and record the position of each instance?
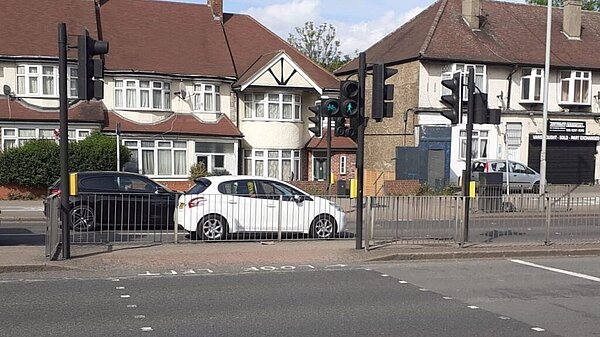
(119, 199)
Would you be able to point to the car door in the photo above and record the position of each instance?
(146, 203)
(239, 203)
(291, 212)
(518, 175)
(100, 192)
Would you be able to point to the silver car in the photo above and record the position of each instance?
(520, 176)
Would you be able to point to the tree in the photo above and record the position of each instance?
(590, 5)
(319, 43)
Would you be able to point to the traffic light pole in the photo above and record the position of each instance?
(360, 140)
(64, 140)
(328, 176)
(467, 171)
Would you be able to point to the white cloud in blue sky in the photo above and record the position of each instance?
(359, 23)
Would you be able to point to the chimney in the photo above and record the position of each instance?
(216, 6)
(471, 9)
(572, 18)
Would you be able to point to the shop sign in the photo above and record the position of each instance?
(557, 127)
(593, 138)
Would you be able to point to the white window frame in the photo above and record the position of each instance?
(207, 97)
(26, 73)
(481, 144)
(263, 156)
(253, 101)
(14, 135)
(570, 79)
(319, 159)
(343, 164)
(172, 146)
(535, 80)
(480, 76)
(139, 88)
(211, 160)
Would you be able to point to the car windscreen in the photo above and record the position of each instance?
(201, 186)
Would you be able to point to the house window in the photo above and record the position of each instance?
(575, 87)
(479, 147)
(14, 137)
(280, 164)
(42, 80)
(273, 106)
(207, 97)
(480, 76)
(142, 94)
(319, 165)
(158, 158)
(343, 164)
(531, 85)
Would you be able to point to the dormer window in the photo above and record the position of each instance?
(140, 94)
(42, 81)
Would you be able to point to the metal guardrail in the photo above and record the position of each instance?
(514, 218)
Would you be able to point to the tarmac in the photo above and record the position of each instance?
(132, 258)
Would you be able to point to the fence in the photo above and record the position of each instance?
(502, 218)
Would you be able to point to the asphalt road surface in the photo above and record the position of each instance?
(319, 302)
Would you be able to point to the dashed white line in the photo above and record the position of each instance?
(447, 297)
(120, 288)
(115, 280)
(139, 316)
(424, 289)
(538, 329)
(504, 318)
(384, 275)
(402, 282)
(473, 307)
(146, 328)
(132, 305)
(556, 270)
(125, 296)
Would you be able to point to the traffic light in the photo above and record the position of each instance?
(90, 70)
(316, 119)
(382, 93)
(341, 129)
(349, 98)
(330, 107)
(481, 113)
(454, 100)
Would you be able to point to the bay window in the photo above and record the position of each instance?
(142, 94)
(280, 164)
(575, 87)
(207, 97)
(158, 158)
(273, 106)
(42, 80)
(531, 85)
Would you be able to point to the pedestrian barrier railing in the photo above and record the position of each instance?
(503, 218)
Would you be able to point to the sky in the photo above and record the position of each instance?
(359, 23)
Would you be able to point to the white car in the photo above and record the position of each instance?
(220, 205)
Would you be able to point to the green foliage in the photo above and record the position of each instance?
(98, 152)
(198, 170)
(320, 44)
(432, 190)
(37, 162)
(590, 5)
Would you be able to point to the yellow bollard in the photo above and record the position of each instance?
(353, 188)
(73, 188)
(472, 185)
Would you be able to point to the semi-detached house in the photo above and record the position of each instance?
(186, 83)
(504, 43)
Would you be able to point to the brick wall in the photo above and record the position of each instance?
(178, 185)
(401, 187)
(311, 187)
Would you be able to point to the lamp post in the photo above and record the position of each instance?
(545, 108)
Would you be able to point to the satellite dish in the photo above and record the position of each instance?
(7, 90)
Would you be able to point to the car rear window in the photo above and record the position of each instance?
(201, 186)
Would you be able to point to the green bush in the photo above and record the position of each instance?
(198, 170)
(37, 162)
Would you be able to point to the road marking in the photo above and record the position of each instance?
(403, 282)
(132, 305)
(125, 296)
(146, 328)
(120, 288)
(139, 316)
(172, 272)
(190, 271)
(384, 275)
(447, 297)
(537, 329)
(115, 280)
(149, 274)
(336, 265)
(424, 289)
(504, 318)
(473, 307)
(556, 270)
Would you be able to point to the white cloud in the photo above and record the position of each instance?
(362, 35)
(282, 18)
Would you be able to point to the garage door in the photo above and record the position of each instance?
(567, 162)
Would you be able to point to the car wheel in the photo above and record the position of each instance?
(323, 227)
(212, 227)
(83, 218)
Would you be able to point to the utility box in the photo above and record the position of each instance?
(342, 188)
(490, 191)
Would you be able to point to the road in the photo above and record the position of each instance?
(335, 301)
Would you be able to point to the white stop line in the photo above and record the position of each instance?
(556, 270)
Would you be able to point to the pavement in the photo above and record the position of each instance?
(136, 257)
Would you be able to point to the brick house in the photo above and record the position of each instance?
(505, 44)
(187, 83)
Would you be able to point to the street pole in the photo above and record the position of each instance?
(118, 132)
(545, 109)
(467, 171)
(64, 140)
(362, 73)
(328, 155)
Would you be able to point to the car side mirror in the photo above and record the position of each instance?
(298, 198)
